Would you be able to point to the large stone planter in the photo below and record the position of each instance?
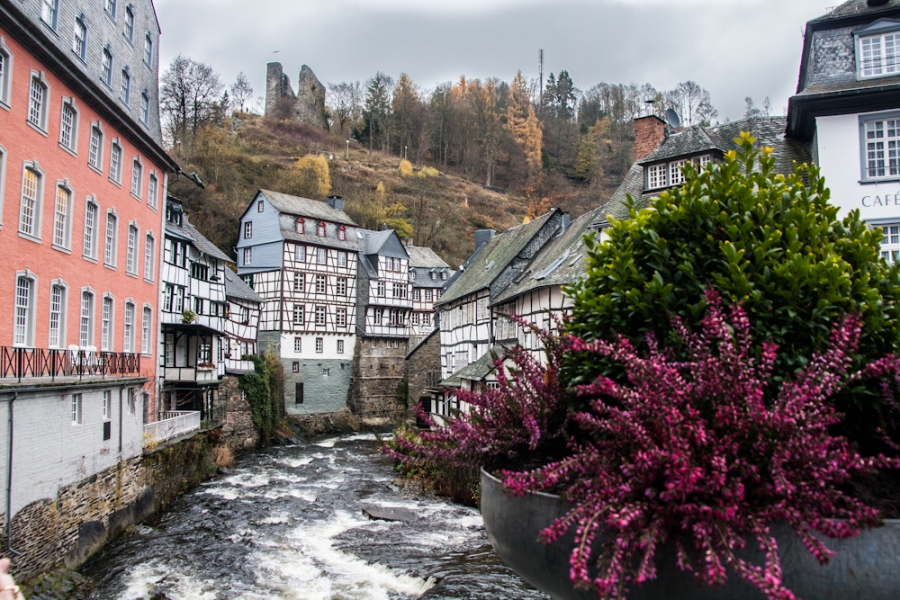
(866, 567)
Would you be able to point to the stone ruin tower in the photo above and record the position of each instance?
(308, 103)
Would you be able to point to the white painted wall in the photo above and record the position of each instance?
(308, 346)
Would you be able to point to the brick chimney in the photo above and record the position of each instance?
(649, 133)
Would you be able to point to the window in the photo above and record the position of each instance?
(300, 253)
(106, 327)
(656, 176)
(168, 297)
(109, 252)
(417, 295)
(321, 229)
(61, 217)
(95, 154)
(37, 103)
(248, 230)
(298, 226)
(298, 314)
(5, 74)
(415, 318)
(395, 317)
(320, 345)
(90, 226)
(890, 243)
(146, 323)
(341, 317)
(295, 368)
(125, 92)
(320, 315)
(76, 409)
(433, 275)
(261, 206)
(341, 286)
(57, 317)
(49, 12)
(342, 233)
(24, 331)
(137, 178)
(444, 275)
(399, 290)
(428, 295)
(178, 304)
(106, 67)
(30, 210)
(298, 345)
(148, 50)
(666, 174)
(152, 191)
(67, 127)
(111, 7)
(426, 319)
(145, 108)
(882, 139)
(128, 341)
(131, 254)
(86, 329)
(321, 282)
(412, 274)
(321, 256)
(248, 256)
(198, 305)
(380, 289)
(378, 316)
(342, 259)
(879, 55)
(340, 346)
(149, 253)
(676, 176)
(299, 282)
(129, 23)
(79, 38)
(248, 279)
(115, 163)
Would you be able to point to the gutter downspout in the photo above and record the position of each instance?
(9, 464)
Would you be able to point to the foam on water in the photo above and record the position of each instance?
(145, 580)
(294, 462)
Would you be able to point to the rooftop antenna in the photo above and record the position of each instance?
(673, 119)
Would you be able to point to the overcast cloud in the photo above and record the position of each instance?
(734, 48)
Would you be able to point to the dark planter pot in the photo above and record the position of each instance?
(866, 567)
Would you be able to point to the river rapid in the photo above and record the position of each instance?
(289, 522)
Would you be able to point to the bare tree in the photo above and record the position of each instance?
(345, 102)
(188, 98)
(692, 103)
(241, 92)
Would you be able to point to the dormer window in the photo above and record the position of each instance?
(342, 233)
(666, 174)
(298, 226)
(173, 214)
(878, 49)
(321, 229)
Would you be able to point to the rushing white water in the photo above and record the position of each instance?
(290, 523)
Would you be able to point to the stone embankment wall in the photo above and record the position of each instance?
(379, 367)
(238, 432)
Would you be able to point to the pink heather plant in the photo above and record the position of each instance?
(704, 453)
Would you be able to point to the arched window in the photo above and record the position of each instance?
(321, 228)
(38, 97)
(299, 225)
(25, 306)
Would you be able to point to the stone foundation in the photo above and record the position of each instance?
(378, 370)
(238, 431)
(342, 421)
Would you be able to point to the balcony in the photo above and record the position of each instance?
(191, 374)
(171, 425)
(18, 364)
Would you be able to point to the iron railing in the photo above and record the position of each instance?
(27, 363)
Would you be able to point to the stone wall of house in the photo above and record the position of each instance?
(423, 368)
(238, 432)
(68, 529)
(379, 367)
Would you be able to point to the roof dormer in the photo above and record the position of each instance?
(878, 49)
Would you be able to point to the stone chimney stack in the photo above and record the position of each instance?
(483, 236)
(335, 202)
(649, 133)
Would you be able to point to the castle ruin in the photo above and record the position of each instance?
(306, 106)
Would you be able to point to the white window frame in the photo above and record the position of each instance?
(146, 329)
(6, 73)
(299, 282)
(321, 315)
(80, 25)
(95, 147)
(69, 130)
(880, 154)
(341, 288)
(3, 154)
(152, 190)
(107, 323)
(148, 50)
(128, 27)
(110, 7)
(125, 87)
(50, 13)
(30, 225)
(320, 345)
(342, 259)
(38, 101)
(149, 257)
(24, 308)
(886, 45)
(58, 313)
(298, 314)
(137, 177)
(107, 405)
(145, 108)
(86, 308)
(111, 239)
(76, 406)
(248, 256)
(62, 222)
(340, 346)
(115, 162)
(298, 345)
(89, 246)
(128, 322)
(106, 66)
(300, 253)
(340, 317)
(248, 230)
(321, 256)
(656, 176)
(321, 284)
(131, 262)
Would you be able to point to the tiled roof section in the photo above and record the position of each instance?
(305, 207)
(768, 131)
(856, 7)
(236, 288)
(477, 370)
(189, 232)
(420, 256)
(289, 232)
(560, 262)
(493, 259)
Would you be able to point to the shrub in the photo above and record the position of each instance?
(405, 169)
(264, 409)
(772, 243)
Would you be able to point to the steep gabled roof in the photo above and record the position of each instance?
(560, 262)
(493, 258)
(188, 232)
(421, 256)
(236, 288)
(304, 207)
(477, 370)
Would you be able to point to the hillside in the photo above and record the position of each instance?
(237, 156)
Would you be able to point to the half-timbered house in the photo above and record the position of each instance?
(192, 316)
(300, 257)
(241, 324)
(428, 274)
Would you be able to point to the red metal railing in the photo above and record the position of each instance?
(25, 363)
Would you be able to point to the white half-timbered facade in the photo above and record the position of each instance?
(192, 315)
(300, 256)
(428, 274)
(241, 324)
(385, 294)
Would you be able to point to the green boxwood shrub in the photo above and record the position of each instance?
(771, 242)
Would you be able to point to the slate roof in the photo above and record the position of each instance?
(305, 207)
(186, 231)
(421, 256)
(560, 262)
(768, 131)
(373, 241)
(477, 370)
(236, 288)
(834, 84)
(289, 232)
(493, 258)
(856, 7)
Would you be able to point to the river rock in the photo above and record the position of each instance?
(381, 513)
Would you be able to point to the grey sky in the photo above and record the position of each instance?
(734, 48)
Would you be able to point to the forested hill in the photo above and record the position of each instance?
(479, 153)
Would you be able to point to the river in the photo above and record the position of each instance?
(288, 522)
